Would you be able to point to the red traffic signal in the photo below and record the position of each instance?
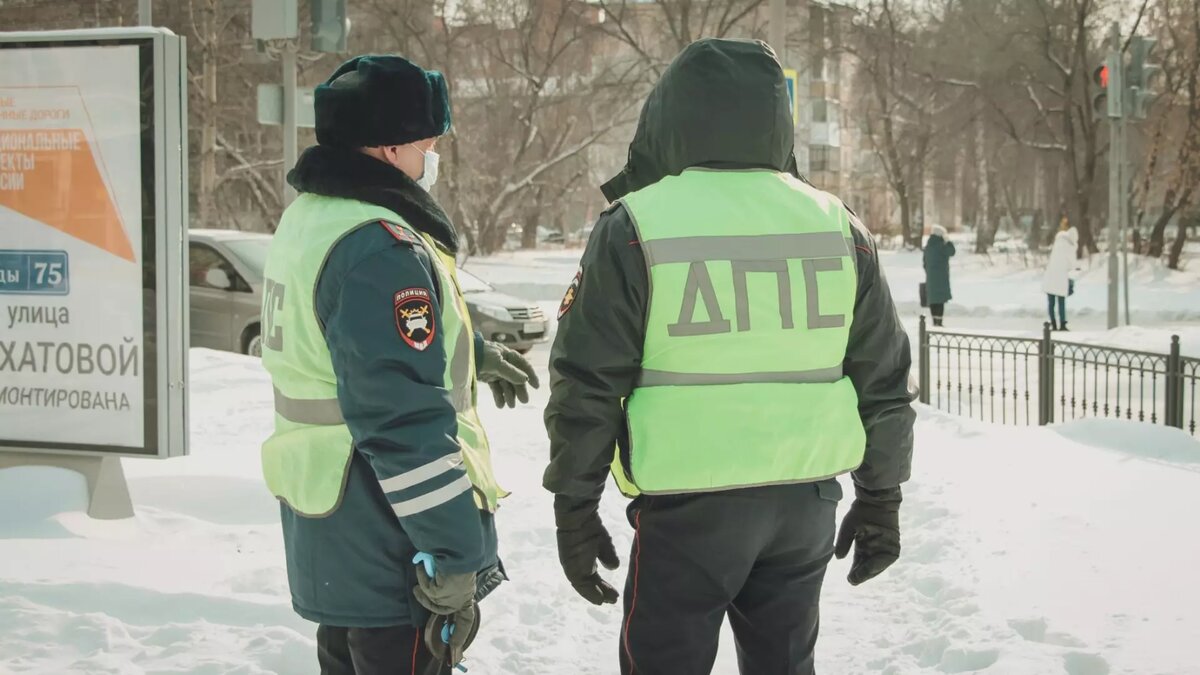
(1100, 76)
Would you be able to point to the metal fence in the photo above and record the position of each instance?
(1018, 380)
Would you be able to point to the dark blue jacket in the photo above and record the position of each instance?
(354, 567)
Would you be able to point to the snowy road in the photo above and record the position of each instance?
(1061, 550)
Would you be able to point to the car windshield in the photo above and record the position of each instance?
(252, 253)
(471, 283)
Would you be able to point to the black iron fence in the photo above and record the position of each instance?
(1020, 380)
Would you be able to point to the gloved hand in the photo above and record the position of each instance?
(582, 540)
(451, 598)
(873, 524)
(506, 372)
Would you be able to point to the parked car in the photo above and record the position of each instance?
(547, 236)
(225, 270)
(503, 318)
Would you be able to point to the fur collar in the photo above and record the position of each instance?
(334, 172)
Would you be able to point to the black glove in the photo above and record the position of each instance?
(507, 373)
(582, 540)
(451, 599)
(873, 524)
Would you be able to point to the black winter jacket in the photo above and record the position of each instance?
(722, 104)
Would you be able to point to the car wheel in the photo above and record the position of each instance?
(252, 343)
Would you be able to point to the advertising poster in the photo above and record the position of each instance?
(77, 286)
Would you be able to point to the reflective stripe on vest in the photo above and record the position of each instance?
(660, 378)
(768, 247)
(317, 411)
(752, 290)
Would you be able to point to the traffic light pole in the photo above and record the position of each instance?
(288, 58)
(1126, 225)
(1115, 190)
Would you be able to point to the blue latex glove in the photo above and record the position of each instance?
(428, 561)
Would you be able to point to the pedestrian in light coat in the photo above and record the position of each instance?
(1059, 281)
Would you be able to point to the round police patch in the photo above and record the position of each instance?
(414, 317)
(572, 293)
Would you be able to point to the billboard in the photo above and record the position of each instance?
(92, 241)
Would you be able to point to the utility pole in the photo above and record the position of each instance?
(1126, 224)
(144, 13)
(1116, 193)
(1138, 96)
(288, 57)
(777, 29)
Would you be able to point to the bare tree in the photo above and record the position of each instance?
(906, 108)
(530, 97)
(656, 31)
(1171, 171)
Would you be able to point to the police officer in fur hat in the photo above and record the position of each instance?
(378, 457)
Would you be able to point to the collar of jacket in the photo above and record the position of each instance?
(349, 174)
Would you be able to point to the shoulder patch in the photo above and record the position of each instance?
(400, 233)
(572, 293)
(414, 317)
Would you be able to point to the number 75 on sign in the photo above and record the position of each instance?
(34, 273)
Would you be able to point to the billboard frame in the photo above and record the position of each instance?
(162, 73)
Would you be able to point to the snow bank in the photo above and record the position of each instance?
(998, 286)
(1027, 551)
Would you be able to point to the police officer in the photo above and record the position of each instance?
(730, 332)
(378, 456)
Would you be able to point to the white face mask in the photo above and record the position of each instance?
(429, 175)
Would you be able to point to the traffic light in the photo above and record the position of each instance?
(1140, 77)
(1108, 77)
(1100, 101)
(330, 25)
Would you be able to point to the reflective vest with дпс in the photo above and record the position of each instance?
(306, 459)
(752, 290)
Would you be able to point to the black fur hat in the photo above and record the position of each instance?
(381, 100)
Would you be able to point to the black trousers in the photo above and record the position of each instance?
(396, 650)
(937, 310)
(756, 555)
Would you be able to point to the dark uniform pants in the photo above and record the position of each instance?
(757, 555)
(397, 650)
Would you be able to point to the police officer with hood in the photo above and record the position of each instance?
(731, 334)
(378, 456)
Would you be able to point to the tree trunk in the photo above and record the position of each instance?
(983, 178)
(529, 230)
(917, 222)
(1176, 255)
(1035, 228)
(1158, 235)
(1083, 223)
(905, 217)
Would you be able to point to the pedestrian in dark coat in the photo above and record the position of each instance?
(938, 251)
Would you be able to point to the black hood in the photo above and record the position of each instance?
(339, 172)
(722, 104)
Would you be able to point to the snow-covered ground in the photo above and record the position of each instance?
(1028, 551)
